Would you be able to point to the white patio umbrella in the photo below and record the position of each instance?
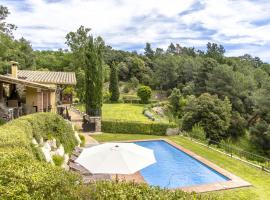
(116, 158)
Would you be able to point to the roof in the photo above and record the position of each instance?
(48, 77)
(12, 80)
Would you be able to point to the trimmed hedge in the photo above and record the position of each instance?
(118, 126)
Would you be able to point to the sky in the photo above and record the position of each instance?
(241, 26)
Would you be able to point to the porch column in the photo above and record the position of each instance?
(40, 100)
(1, 92)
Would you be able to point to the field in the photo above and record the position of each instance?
(259, 179)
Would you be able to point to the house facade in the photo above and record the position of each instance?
(25, 92)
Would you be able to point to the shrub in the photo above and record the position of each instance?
(128, 190)
(118, 126)
(82, 140)
(2, 122)
(198, 132)
(22, 175)
(106, 97)
(144, 92)
(58, 160)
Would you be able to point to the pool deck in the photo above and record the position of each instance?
(234, 182)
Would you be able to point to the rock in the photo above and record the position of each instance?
(47, 146)
(34, 142)
(47, 154)
(60, 151)
(77, 137)
(41, 141)
(52, 143)
(172, 131)
(149, 115)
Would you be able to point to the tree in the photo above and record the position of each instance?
(176, 103)
(209, 112)
(144, 92)
(114, 87)
(148, 51)
(215, 51)
(93, 75)
(204, 73)
(171, 49)
(5, 27)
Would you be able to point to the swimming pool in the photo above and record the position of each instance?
(175, 168)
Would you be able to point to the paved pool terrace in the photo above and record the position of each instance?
(231, 182)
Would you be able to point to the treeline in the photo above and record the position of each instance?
(243, 80)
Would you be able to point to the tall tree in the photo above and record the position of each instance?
(93, 75)
(114, 86)
(171, 49)
(148, 51)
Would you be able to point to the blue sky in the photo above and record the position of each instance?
(241, 26)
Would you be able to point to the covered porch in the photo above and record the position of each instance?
(20, 97)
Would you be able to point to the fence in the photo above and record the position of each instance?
(234, 152)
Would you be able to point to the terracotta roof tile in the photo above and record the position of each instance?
(64, 78)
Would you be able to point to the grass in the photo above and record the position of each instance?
(121, 111)
(259, 179)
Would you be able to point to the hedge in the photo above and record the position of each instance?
(129, 191)
(22, 174)
(118, 126)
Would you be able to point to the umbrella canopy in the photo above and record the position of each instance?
(116, 158)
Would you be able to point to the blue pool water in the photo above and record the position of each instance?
(174, 168)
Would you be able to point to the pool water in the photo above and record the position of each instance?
(174, 168)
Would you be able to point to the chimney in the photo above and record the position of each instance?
(14, 69)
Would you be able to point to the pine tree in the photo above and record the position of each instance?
(148, 51)
(114, 86)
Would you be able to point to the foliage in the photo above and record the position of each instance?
(211, 113)
(148, 51)
(135, 127)
(144, 92)
(198, 132)
(127, 190)
(2, 122)
(93, 76)
(83, 140)
(114, 85)
(58, 160)
(176, 103)
(22, 176)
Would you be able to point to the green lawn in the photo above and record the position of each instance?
(259, 179)
(120, 111)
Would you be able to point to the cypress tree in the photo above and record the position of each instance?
(114, 86)
(93, 76)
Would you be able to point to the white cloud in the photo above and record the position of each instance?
(131, 23)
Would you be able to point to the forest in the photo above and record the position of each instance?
(229, 97)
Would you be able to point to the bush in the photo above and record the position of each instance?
(198, 132)
(118, 126)
(126, 191)
(22, 175)
(82, 140)
(58, 160)
(144, 92)
(2, 122)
